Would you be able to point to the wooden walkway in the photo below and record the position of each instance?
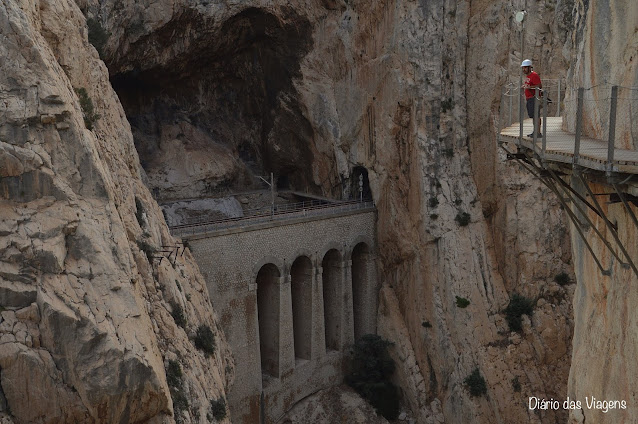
(560, 147)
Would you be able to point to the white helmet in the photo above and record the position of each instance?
(526, 62)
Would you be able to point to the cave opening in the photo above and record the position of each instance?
(222, 111)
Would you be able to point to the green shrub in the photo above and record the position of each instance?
(97, 35)
(174, 381)
(562, 278)
(174, 374)
(476, 383)
(462, 218)
(205, 339)
(448, 152)
(88, 111)
(372, 367)
(518, 306)
(147, 249)
(180, 401)
(433, 202)
(217, 409)
(426, 324)
(434, 216)
(516, 385)
(139, 212)
(462, 302)
(178, 314)
(447, 105)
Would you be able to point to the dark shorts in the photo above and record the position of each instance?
(530, 107)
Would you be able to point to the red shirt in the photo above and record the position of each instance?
(532, 79)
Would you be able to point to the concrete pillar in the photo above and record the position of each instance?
(372, 295)
(347, 323)
(332, 279)
(301, 286)
(268, 285)
(318, 323)
(286, 340)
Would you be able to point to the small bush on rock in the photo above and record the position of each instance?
(147, 249)
(217, 409)
(139, 212)
(205, 339)
(174, 374)
(88, 111)
(462, 302)
(372, 367)
(174, 381)
(562, 278)
(476, 383)
(178, 314)
(518, 306)
(97, 35)
(463, 218)
(516, 385)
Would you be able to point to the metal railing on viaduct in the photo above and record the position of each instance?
(594, 145)
(314, 209)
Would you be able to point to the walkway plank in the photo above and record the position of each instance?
(560, 147)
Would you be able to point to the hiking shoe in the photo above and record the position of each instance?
(532, 135)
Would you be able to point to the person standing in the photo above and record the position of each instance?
(532, 81)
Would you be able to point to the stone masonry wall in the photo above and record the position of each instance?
(230, 264)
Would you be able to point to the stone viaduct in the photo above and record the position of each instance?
(292, 294)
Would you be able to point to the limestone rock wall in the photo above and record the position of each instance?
(604, 51)
(603, 326)
(86, 317)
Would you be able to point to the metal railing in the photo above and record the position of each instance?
(600, 113)
(314, 208)
(513, 101)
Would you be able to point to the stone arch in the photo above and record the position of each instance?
(302, 252)
(358, 240)
(362, 289)
(268, 305)
(332, 279)
(264, 261)
(301, 275)
(340, 247)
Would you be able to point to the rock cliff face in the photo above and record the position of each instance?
(219, 91)
(86, 328)
(603, 326)
(600, 58)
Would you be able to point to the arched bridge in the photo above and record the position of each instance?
(292, 291)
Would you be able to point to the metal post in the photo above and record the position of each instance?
(544, 128)
(272, 192)
(535, 127)
(558, 103)
(612, 129)
(520, 85)
(511, 96)
(579, 124)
